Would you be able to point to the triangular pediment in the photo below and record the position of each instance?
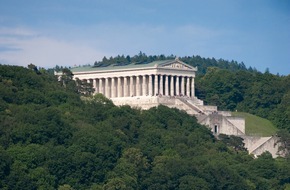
(177, 64)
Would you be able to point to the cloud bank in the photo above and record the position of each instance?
(69, 46)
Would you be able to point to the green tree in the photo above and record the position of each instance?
(66, 79)
(65, 187)
(233, 141)
(281, 115)
(5, 166)
(84, 87)
(284, 143)
(33, 68)
(118, 184)
(131, 166)
(190, 182)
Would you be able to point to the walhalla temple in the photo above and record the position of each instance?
(170, 83)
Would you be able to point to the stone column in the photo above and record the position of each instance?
(125, 87)
(138, 86)
(177, 86)
(172, 86)
(166, 85)
(113, 88)
(188, 87)
(95, 86)
(192, 87)
(150, 86)
(131, 86)
(182, 86)
(161, 85)
(155, 85)
(144, 91)
(107, 89)
(101, 90)
(119, 87)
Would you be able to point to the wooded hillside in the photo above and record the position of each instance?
(51, 139)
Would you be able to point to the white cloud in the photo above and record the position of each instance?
(17, 49)
(17, 32)
(70, 45)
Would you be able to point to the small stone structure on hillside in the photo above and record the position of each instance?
(223, 122)
(170, 83)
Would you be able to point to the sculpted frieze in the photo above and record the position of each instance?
(177, 65)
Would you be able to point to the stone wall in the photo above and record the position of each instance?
(239, 122)
(147, 102)
(258, 145)
(221, 124)
(143, 102)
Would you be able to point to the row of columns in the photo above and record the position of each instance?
(144, 85)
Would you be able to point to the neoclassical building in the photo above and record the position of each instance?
(168, 78)
(171, 83)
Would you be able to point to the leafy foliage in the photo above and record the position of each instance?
(51, 138)
(265, 95)
(233, 141)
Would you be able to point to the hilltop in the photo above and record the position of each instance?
(51, 138)
(230, 85)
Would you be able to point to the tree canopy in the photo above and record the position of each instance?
(53, 138)
(201, 63)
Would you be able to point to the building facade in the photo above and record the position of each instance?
(168, 78)
(171, 83)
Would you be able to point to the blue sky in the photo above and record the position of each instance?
(76, 32)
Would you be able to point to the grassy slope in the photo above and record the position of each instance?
(256, 125)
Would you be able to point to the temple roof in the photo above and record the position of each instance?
(117, 66)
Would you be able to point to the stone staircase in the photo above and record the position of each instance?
(255, 145)
(191, 105)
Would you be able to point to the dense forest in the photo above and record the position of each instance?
(52, 137)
